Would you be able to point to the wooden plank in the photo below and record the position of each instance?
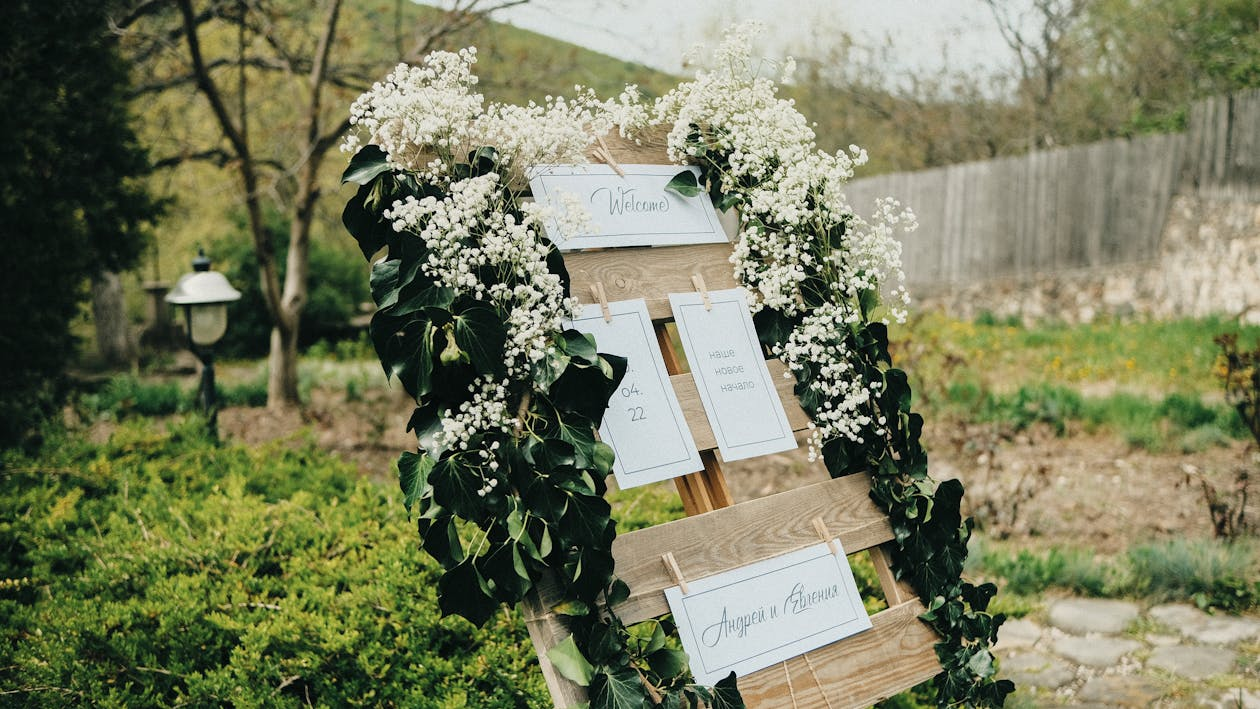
(545, 632)
(736, 536)
(651, 273)
(694, 488)
(895, 654)
(895, 591)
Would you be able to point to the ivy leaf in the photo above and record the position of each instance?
(479, 331)
(441, 540)
(603, 457)
(726, 694)
(548, 369)
(413, 475)
(579, 345)
(667, 663)
(569, 662)
(384, 282)
(618, 689)
(455, 487)
(981, 664)
(365, 225)
(366, 164)
(684, 184)
(461, 591)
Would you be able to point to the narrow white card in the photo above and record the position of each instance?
(643, 423)
(759, 615)
(735, 386)
(630, 210)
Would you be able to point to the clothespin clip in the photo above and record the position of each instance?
(821, 527)
(671, 565)
(597, 291)
(603, 153)
(697, 280)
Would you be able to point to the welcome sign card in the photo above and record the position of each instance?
(633, 209)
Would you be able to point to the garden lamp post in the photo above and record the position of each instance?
(204, 295)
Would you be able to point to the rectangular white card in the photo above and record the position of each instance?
(643, 423)
(735, 386)
(764, 613)
(630, 210)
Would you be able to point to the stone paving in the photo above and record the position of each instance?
(1105, 653)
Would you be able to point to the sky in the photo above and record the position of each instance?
(924, 34)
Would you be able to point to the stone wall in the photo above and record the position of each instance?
(1208, 263)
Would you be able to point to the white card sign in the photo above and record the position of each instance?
(630, 210)
(735, 386)
(759, 615)
(643, 423)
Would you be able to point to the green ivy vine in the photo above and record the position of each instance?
(531, 499)
(929, 530)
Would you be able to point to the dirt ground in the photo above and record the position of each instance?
(1033, 487)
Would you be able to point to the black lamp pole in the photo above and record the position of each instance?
(206, 395)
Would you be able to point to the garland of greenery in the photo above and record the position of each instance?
(470, 302)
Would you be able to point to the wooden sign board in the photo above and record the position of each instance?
(718, 536)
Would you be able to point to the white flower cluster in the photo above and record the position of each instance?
(792, 193)
(487, 411)
(470, 233)
(428, 117)
(800, 242)
(419, 112)
(845, 412)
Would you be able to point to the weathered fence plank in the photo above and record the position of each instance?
(1083, 206)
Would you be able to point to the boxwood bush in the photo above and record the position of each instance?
(161, 569)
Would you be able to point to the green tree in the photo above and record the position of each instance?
(295, 66)
(71, 197)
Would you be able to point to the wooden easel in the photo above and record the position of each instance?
(718, 535)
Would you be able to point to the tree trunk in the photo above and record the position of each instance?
(114, 340)
(282, 368)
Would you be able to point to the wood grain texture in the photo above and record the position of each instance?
(739, 535)
(894, 655)
(650, 272)
(545, 632)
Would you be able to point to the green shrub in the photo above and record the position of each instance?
(163, 570)
(125, 395)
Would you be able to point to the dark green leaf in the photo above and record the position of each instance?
(667, 663)
(366, 164)
(726, 694)
(455, 487)
(461, 591)
(365, 225)
(685, 184)
(413, 474)
(479, 331)
(618, 689)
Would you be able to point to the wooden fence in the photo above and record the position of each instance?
(1071, 208)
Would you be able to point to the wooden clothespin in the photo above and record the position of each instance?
(671, 565)
(821, 527)
(597, 291)
(603, 153)
(697, 280)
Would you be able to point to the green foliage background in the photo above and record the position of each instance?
(160, 569)
(71, 198)
(338, 284)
